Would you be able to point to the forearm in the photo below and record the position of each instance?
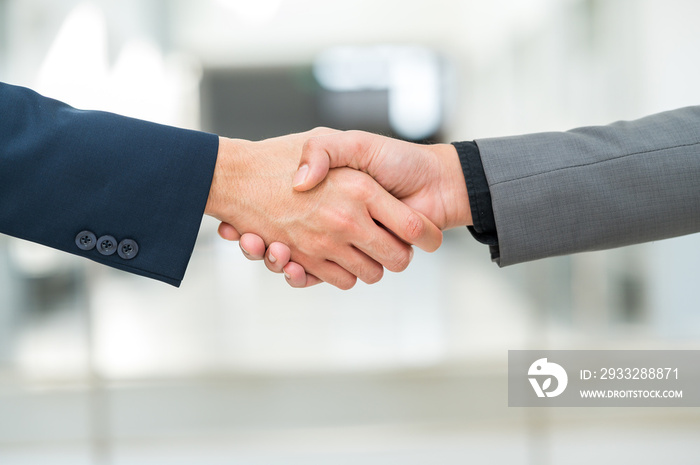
(64, 170)
(595, 188)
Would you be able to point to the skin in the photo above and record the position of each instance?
(427, 178)
(346, 228)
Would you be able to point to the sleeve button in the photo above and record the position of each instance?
(86, 240)
(106, 245)
(128, 249)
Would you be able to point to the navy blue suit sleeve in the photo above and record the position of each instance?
(63, 171)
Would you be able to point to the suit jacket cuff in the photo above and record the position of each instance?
(65, 171)
(595, 188)
(484, 225)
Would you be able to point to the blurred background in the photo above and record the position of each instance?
(101, 367)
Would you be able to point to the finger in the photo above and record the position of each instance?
(277, 257)
(252, 246)
(332, 273)
(320, 154)
(409, 225)
(228, 232)
(388, 250)
(361, 265)
(296, 276)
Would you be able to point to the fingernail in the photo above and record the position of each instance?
(286, 276)
(300, 175)
(272, 258)
(244, 250)
(410, 255)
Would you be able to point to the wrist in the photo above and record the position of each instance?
(230, 150)
(453, 187)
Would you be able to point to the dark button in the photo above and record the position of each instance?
(86, 240)
(128, 249)
(106, 245)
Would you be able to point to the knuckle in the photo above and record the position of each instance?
(344, 222)
(414, 227)
(346, 283)
(312, 141)
(319, 130)
(374, 275)
(364, 182)
(359, 187)
(309, 147)
(400, 261)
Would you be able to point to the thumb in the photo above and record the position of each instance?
(322, 153)
(228, 232)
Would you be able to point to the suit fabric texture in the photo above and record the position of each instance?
(65, 171)
(595, 188)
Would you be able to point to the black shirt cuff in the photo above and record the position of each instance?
(484, 224)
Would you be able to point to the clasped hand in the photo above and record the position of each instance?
(335, 206)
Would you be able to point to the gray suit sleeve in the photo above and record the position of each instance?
(595, 188)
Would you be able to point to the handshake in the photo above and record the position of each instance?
(336, 206)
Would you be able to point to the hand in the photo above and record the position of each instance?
(427, 178)
(276, 256)
(331, 231)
